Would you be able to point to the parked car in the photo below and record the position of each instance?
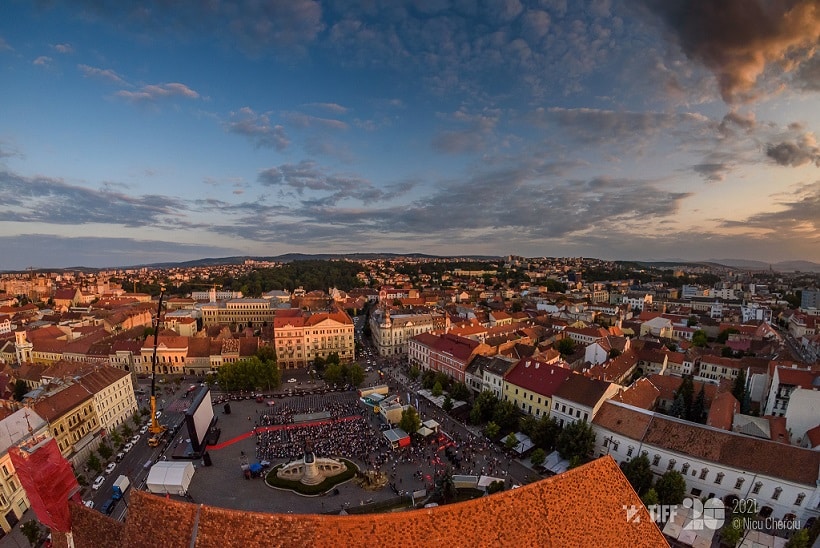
(89, 503)
(292, 380)
(144, 429)
(135, 439)
(98, 482)
(128, 447)
(119, 456)
(110, 468)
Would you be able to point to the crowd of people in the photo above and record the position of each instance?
(349, 437)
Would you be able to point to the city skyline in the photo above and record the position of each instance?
(635, 129)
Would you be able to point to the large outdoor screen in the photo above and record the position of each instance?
(199, 417)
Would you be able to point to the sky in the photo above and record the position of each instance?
(154, 131)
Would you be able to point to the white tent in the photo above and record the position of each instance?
(170, 477)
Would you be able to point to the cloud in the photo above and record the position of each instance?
(321, 188)
(526, 201)
(590, 125)
(4, 46)
(64, 48)
(43, 61)
(712, 172)
(258, 127)
(103, 74)
(52, 251)
(330, 107)
(151, 93)
(254, 27)
(49, 200)
(796, 216)
(473, 137)
(743, 42)
(300, 120)
(808, 75)
(795, 153)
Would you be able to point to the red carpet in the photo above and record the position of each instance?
(275, 427)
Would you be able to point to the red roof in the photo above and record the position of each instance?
(581, 507)
(537, 376)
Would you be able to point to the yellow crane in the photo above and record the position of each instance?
(156, 429)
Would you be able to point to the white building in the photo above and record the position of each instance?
(714, 462)
(391, 333)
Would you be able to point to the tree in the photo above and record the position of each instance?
(20, 389)
(677, 409)
(116, 438)
(333, 374)
(136, 418)
(699, 338)
(506, 415)
(639, 473)
(447, 404)
(410, 421)
(510, 442)
(105, 451)
(699, 407)
(459, 391)
(437, 389)
(414, 373)
(723, 336)
(93, 462)
(671, 487)
(565, 346)
(686, 391)
(126, 431)
(739, 387)
(577, 439)
(732, 532)
(538, 457)
(31, 530)
(650, 497)
(355, 375)
(483, 407)
(492, 430)
(799, 539)
(428, 379)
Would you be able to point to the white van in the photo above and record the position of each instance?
(98, 483)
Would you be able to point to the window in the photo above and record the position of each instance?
(739, 483)
(757, 487)
(719, 478)
(695, 492)
(629, 451)
(799, 500)
(704, 473)
(776, 494)
(685, 468)
(671, 465)
(656, 460)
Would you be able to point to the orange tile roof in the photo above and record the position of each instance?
(582, 507)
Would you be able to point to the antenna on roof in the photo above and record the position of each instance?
(30, 429)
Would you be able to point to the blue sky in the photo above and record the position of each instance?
(640, 129)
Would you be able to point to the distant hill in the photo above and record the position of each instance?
(291, 257)
(782, 266)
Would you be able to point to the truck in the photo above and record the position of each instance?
(121, 485)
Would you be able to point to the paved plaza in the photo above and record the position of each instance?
(409, 469)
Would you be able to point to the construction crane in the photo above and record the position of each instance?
(156, 429)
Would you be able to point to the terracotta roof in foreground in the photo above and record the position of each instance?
(582, 507)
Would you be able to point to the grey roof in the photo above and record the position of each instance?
(15, 427)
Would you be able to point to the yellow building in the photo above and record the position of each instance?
(114, 399)
(15, 429)
(531, 383)
(72, 421)
(300, 338)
